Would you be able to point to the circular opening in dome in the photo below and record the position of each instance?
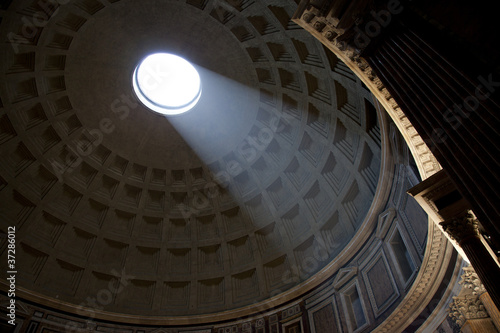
(167, 84)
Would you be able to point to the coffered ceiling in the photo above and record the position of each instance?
(203, 212)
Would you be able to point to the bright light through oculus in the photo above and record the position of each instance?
(167, 84)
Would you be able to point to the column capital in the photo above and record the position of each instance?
(467, 308)
(471, 281)
(462, 227)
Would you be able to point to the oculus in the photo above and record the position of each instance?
(167, 84)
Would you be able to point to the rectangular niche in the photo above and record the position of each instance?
(294, 223)
(31, 263)
(297, 174)
(150, 228)
(305, 255)
(210, 259)
(379, 281)
(324, 317)
(139, 295)
(77, 242)
(279, 193)
(268, 238)
(240, 251)
(67, 281)
(245, 286)
(258, 210)
(146, 260)
(103, 281)
(46, 229)
(354, 307)
(179, 261)
(176, 294)
(233, 220)
(245, 183)
(121, 223)
(211, 292)
(318, 201)
(276, 272)
(405, 264)
(207, 227)
(179, 230)
(113, 256)
(294, 326)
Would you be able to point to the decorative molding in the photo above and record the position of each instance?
(404, 218)
(384, 222)
(344, 275)
(326, 33)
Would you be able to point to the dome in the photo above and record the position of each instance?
(250, 197)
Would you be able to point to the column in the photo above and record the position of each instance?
(473, 309)
(464, 229)
(472, 283)
(455, 114)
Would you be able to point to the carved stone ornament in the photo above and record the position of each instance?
(462, 227)
(308, 17)
(466, 308)
(471, 281)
